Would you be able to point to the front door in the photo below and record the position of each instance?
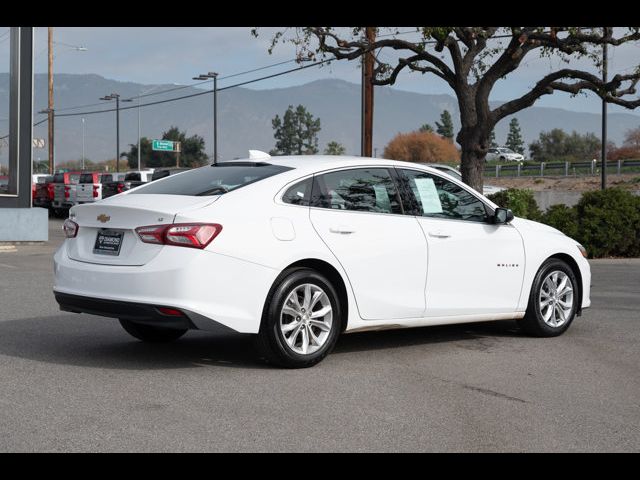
(475, 267)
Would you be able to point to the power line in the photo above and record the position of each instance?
(182, 87)
(206, 92)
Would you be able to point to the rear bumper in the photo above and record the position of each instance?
(136, 312)
(211, 289)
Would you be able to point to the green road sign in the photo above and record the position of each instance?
(166, 146)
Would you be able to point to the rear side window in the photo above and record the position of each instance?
(58, 178)
(135, 177)
(299, 194)
(105, 178)
(212, 179)
(362, 189)
(74, 178)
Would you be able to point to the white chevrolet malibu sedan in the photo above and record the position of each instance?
(297, 250)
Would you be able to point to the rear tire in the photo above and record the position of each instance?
(301, 322)
(553, 300)
(148, 333)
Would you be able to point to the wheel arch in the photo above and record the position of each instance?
(568, 259)
(329, 271)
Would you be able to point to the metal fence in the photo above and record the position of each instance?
(560, 169)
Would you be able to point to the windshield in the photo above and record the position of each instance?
(212, 179)
(506, 150)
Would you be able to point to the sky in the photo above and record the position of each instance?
(154, 55)
(173, 55)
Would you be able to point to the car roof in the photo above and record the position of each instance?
(307, 164)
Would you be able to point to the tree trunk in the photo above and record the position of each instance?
(472, 166)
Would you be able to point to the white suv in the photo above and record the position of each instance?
(504, 154)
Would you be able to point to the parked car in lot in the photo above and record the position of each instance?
(486, 189)
(503, 154)
(4, 183)
(165, 172)
(89, 187)
(64, 191)
(297, 250)
(44, 193)
(127, 182)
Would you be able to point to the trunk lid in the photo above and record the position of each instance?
(121, 215)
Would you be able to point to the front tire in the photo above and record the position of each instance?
(301, 321)
(553, 301)
(151, 334)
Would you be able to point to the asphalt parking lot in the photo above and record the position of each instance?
(72, 382)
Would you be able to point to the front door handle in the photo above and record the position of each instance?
(439, 234)
(341, 229)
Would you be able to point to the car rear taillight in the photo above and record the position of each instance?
(95, 191)
(50, 191)
(70, 228)
(66, 191)
(120, 187)
(172, 312)
(193, 235)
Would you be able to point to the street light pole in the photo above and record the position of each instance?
(215, 118)
(206, 76)
(604, 115)
(50, 99)
(82, 143)
(116, 97)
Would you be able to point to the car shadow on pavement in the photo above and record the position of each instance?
(469, 333)
(89, 341)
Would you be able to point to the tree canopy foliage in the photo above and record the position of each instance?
(421, 147)
(514, 139)
(471, 60)
(296, 133)
(558, 145)
(192, 154)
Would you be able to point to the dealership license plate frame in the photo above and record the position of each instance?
(102, 248)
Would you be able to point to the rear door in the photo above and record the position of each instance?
(359, 216)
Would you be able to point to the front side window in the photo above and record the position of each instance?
(299, 194)
(362, 189)
(211, 180)
(441, 198)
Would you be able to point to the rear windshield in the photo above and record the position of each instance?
(212, 180)
(86, 178)
(105, 178)
(73, 178)
(133, 177)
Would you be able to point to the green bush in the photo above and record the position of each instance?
(609, 223)
(563, 218)
(521, 202)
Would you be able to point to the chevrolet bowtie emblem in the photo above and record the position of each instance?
(103, 218)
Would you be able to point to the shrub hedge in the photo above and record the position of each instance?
(605, 222)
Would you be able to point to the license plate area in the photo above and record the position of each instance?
(108, 242)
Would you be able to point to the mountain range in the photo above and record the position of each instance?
(244, 115)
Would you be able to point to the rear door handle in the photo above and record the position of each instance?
(439, 234)
(341, 229)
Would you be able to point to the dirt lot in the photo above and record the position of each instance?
(629, 181)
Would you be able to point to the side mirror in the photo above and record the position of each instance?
(502, 215)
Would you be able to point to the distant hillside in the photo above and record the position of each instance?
(245, 115)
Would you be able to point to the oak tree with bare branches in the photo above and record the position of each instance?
(471, 60)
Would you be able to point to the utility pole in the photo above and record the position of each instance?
(604, 113)
(50, 103)
(367, 96)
